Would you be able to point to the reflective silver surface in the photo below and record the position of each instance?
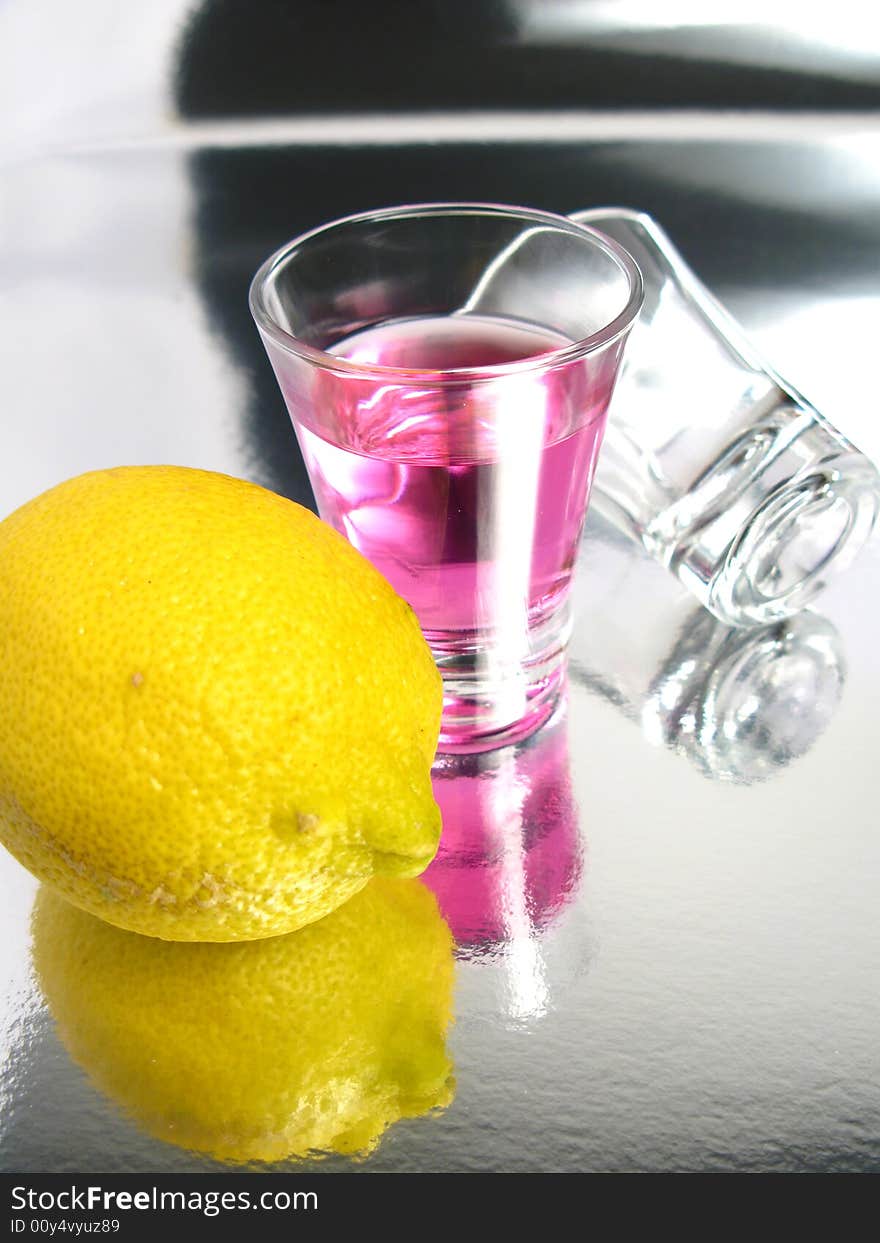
(666, 904)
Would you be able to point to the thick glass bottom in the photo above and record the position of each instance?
(494, 695)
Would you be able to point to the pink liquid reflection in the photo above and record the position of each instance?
(511, 855)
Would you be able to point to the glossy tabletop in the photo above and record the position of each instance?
(666, 903)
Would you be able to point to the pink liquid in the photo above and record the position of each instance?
(468, 494)
(510, 858)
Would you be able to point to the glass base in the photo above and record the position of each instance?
(491, 699)
(809, 529)
(786, 504)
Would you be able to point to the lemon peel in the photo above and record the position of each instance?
(218, 718)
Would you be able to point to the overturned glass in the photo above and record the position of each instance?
(720, 468)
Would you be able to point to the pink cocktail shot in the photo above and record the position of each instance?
(448, 370)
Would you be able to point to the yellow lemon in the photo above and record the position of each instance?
(264, 1050)
(218, 719)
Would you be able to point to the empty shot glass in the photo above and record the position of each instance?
(720, 468)
(448, 368)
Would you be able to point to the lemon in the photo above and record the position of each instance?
(218, 719)
(264, 1050)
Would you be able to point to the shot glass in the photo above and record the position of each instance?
(717, 465)
(448, 370)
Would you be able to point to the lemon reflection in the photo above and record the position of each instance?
(263, 1050)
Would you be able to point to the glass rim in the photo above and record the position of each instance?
(610, 332)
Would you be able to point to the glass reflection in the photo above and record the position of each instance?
(741, 705)
(509, 867)
(297, 1045)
